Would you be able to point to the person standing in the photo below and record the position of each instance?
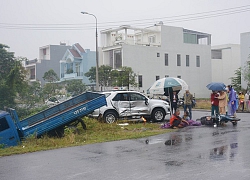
(241, 101)
(187, 101)
(247, 101)
(173, 100)
(214, 103)
(231, 101)
(222, 102)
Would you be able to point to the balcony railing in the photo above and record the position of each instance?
(71, 75)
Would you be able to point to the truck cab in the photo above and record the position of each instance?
(8, 132)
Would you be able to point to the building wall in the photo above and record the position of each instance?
(223, 69)
(89, 60)
(245, 53)
(144, 61)
(56, 53)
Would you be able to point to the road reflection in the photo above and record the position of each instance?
(224, 152)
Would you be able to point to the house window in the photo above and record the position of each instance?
(118, 59)
(178, 60)
(151, 39)
(166, 59)
(157, 78)
(111, 58)
(187, 60)
(158, 54)
(216, 54)
(77, 69)
(140, 80)
(32, 73)
(198, 63)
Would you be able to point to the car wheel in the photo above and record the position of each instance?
(158, 114)
(110, 117)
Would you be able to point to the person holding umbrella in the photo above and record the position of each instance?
(188, 99)
(222, 102)
(214, 103)
(173, 100)
(218, 87)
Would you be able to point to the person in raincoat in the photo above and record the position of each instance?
(232, 104)
(241, 101)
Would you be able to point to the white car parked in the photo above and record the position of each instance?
(129, 104)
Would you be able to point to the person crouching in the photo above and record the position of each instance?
(176, 121)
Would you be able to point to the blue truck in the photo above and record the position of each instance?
(52, 120)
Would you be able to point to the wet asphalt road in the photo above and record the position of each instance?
(197, 153)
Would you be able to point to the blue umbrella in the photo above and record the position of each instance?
(216, 86)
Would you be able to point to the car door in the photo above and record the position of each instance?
(138, 104)
(121, 104)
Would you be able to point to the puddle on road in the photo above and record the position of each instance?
(174, 139)
(173, 163)
(154, 141)
(224, 152)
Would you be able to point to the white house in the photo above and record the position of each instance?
(225, 61)
(244, 54)
(160, 51)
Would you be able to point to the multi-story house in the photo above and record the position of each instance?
(225, 61)
(49, 58)
(160, 51)
(245, 55)
(75, 62)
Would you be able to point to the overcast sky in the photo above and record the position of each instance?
(26, 25)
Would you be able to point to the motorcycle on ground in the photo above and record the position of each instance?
(218, 120)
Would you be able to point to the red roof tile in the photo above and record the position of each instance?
(74, 53)
(79, 47)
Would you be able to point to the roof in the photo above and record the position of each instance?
(79, 47)
(74, 53)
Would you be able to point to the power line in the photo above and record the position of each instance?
(142, 22)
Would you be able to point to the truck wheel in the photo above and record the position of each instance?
(110, 117)
(82, 123)
(158, 114)
(58, 132)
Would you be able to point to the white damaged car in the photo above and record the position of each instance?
(131, 104)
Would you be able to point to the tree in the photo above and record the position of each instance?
(236, 81)
(109, 77)
(246, 72)
(125, 77)
(50, 76)
(31, 95)
(75, 87)
(12, 77)
(49, 88)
